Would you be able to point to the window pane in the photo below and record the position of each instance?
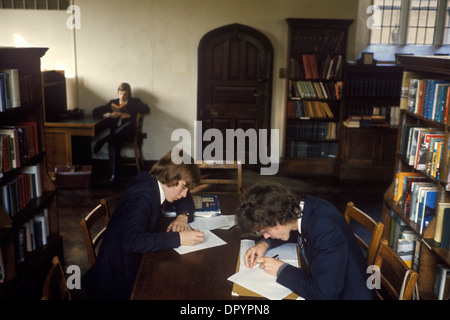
(388, 12)
(446, 31)
(422, 21)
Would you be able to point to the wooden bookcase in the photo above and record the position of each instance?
(371, 101)
(25, 264)
(316, 59)
(427, 253)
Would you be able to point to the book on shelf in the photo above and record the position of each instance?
(442, 282)
(422, 147)
(311, 149)
(405, 246)
(315, 66)
(18, 144)
(9, 89)
(326, 90)
(32, 234)
(18, 191)
(363, 85)
(428, 98)
(311, 130)
(305, 109)
(404, 241)
(439, 229)
(445, 237)
(310, 41)
(402, 187)
(427, 207)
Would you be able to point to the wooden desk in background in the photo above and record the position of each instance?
(58, 137)
(199, 275)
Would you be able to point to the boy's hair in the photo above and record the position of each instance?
(264, 205)
(169, 173)
(125, 87)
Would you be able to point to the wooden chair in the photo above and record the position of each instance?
(220, 178)
(55, 285)
(90, 224)
(136, 143)
(398, 281)
(376, 229)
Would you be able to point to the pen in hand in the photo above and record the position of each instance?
(275, 256)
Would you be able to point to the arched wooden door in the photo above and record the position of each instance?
(235, 65)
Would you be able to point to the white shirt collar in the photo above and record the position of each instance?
(299, 221)
(161, 192)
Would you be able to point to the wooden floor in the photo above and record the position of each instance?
(73, 204)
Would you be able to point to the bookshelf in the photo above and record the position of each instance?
(316, 58)
(370, 110)
(420, 190)
(29, 230)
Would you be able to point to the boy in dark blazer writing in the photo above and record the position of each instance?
(132, 229)
(333, 266)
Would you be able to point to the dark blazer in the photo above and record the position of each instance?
(337, 268)
(130, 233)
(133, 107)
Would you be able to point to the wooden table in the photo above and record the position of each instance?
(199, 275)
(58, 137)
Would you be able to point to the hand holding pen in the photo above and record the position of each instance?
(270, 264)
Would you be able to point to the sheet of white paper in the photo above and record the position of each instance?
(211, 240)
(217, 222)
(256, 279)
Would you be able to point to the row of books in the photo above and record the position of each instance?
(423, 148)
(330, 90)
(404, 242)
(323, 42)
(18, 144)
(364, 117)
(32, 234)
(429, 98)
(417, 196)
(311, 130)
(372, 86)
(9, 89)
(311, 149)
(302, 109)
(408, 246)
(314, 66)
(24, 186)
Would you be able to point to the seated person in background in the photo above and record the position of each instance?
(333, 267)
(125, 110)
(132, 228)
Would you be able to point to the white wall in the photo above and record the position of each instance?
(152, 44)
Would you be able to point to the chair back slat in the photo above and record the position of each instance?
(91, 237)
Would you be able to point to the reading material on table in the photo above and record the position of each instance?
(256, 279)
(211, 240)
(217, 222)
(206, 206)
